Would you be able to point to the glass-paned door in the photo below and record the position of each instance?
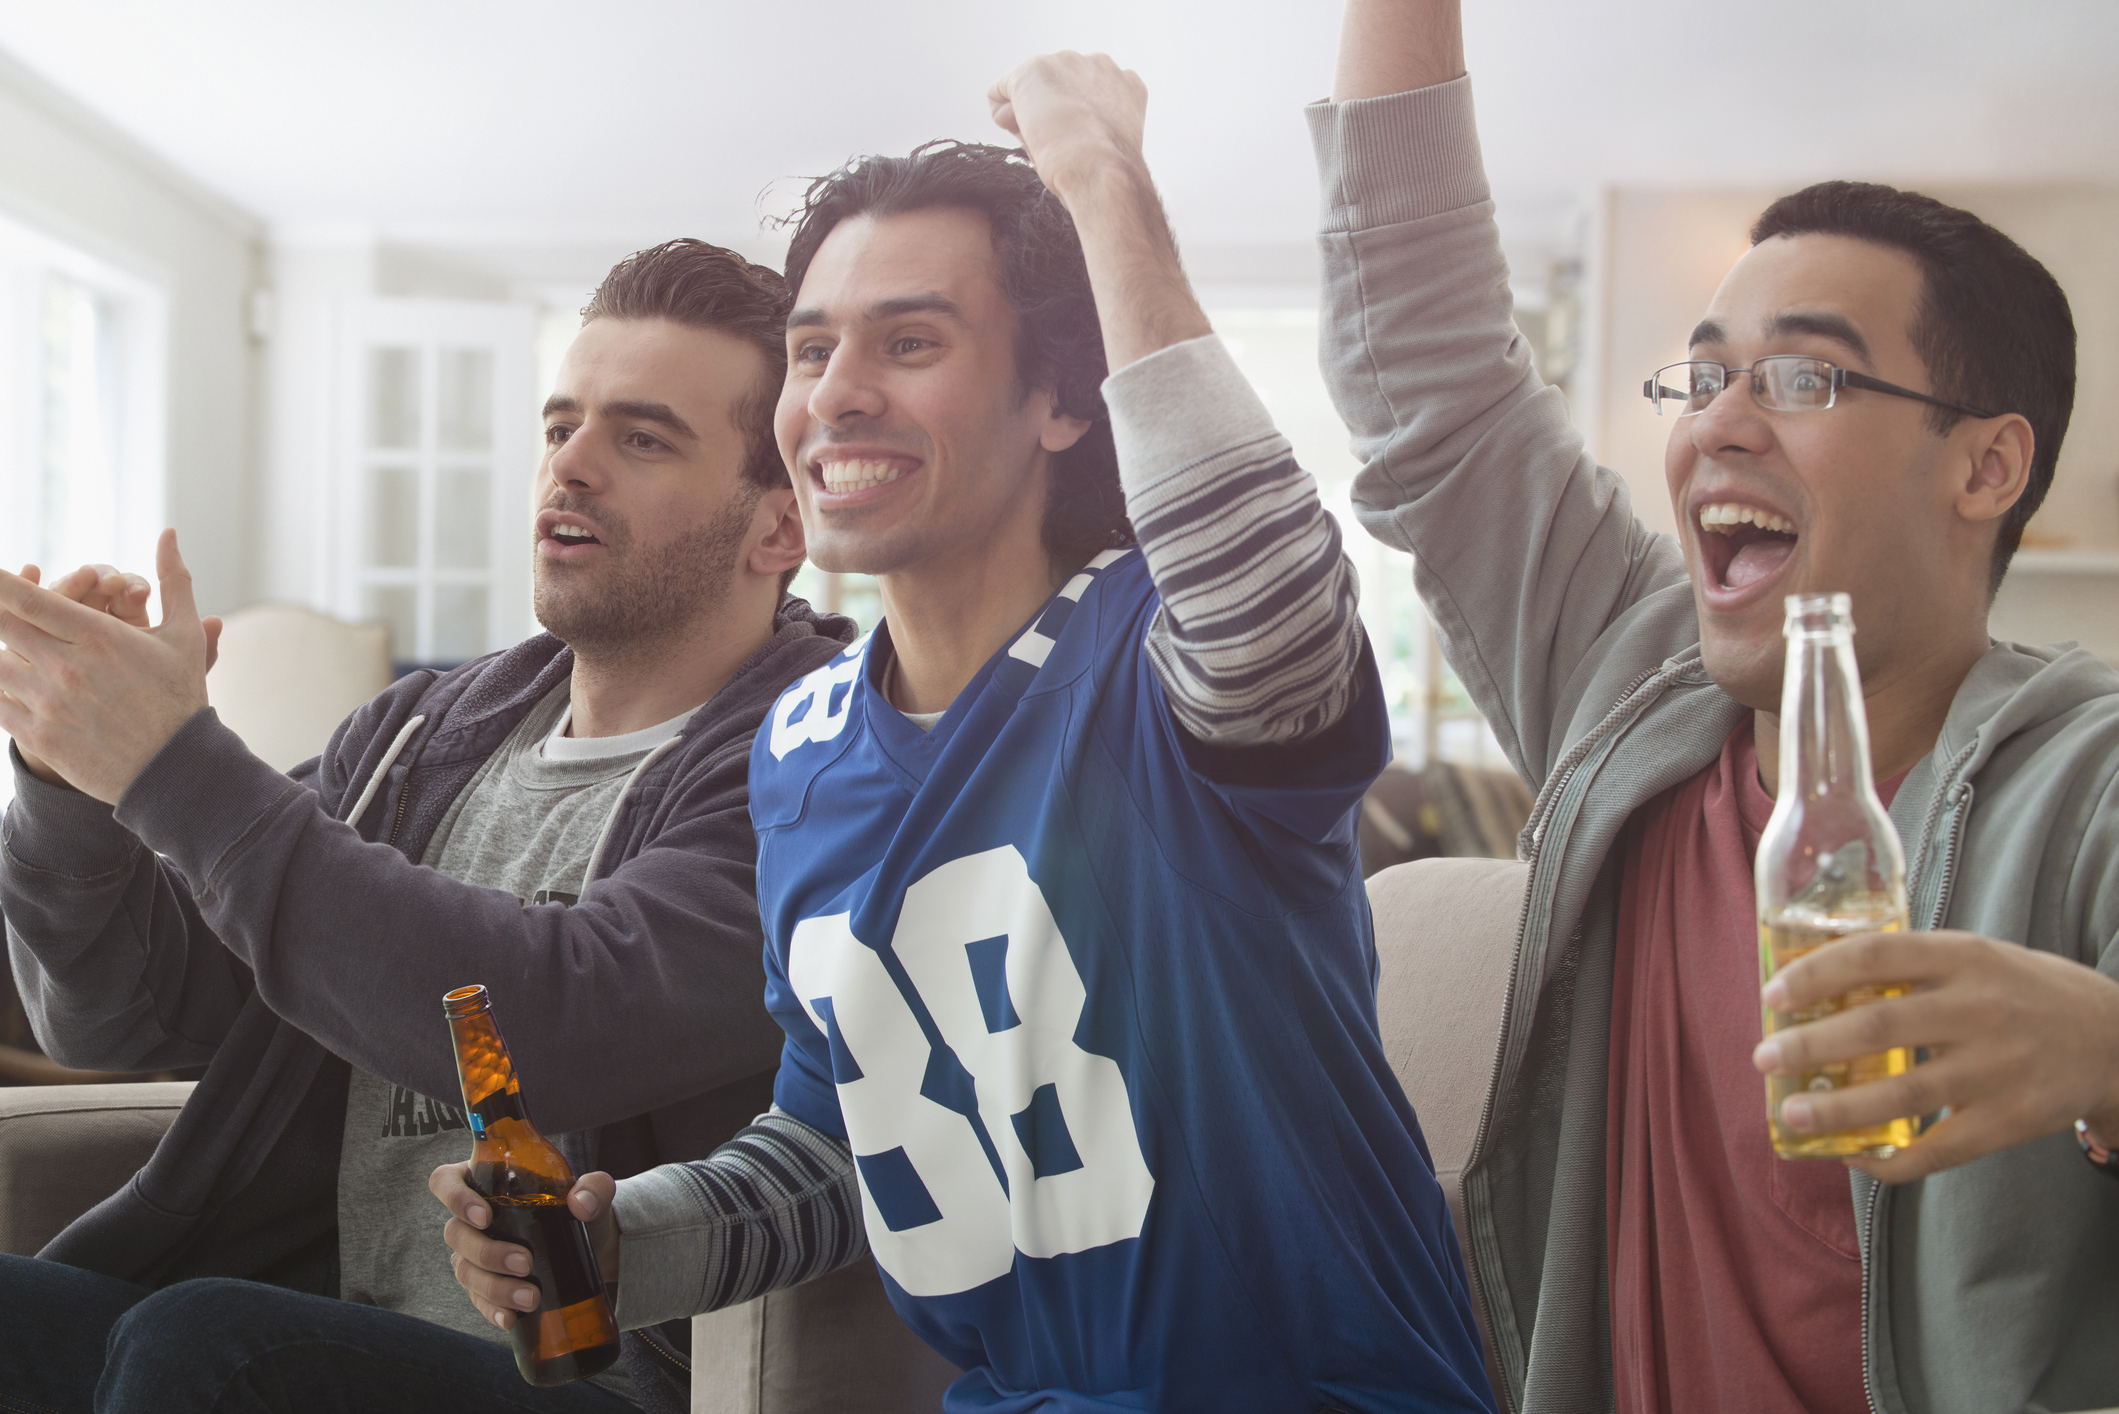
(438, 452)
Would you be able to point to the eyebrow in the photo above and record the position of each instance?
(660, 413)
(1823, 326)
(928, 302)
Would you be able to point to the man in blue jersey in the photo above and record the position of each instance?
(1065, 918)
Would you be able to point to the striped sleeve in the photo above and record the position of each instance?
(773, 1207)
(1259, 634)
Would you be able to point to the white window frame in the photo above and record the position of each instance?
(509, 333)
(137, 323)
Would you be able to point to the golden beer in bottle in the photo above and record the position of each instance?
(525, 1181)
(1829, 864)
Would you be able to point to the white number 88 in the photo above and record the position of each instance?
(1015, 1043)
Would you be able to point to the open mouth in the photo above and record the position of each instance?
(1741, 546)
(562, 537)
(571, 533)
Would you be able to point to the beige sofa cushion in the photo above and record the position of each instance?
(65, 1148)
(1445, 939)
(287, 676)
(830, 1346)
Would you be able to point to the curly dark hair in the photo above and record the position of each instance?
(1993, 328)
(701, 286)
(1059, 343)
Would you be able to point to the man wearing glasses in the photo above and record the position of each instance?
(1874, 404)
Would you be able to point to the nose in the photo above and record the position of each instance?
(574, 464)
(1733, 421)
(846, 390)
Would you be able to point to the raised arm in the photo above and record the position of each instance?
(1259, 636)
(1527, 552)
(1395, 46)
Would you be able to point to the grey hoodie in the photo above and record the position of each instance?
(273, 927)
(1993, 1286)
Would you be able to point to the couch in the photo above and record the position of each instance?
(1445, 930)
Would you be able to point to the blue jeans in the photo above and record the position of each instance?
(77, 1342)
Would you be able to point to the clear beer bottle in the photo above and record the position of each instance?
(1829, 863)
(526, 1180)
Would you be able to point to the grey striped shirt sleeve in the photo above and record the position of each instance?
(775, 1206)
(1259, 634)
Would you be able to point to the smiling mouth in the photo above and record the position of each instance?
(840, 477)
(1742, 545)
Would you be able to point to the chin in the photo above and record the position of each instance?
(1746, 664)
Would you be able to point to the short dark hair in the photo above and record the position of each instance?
(1992, 326)
(1045, 279)
(702, 286)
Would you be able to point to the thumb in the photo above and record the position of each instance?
(179, 608)
(212, 624)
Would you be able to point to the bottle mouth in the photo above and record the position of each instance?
(1818, 615)
(465, 1001)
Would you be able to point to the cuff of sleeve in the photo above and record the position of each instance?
(1382, 161)
(1178, 408)
(59, 830)
(199, 797)
(666, 1242)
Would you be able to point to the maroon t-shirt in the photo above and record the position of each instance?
(1735, 1274)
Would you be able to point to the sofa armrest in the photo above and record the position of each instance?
(65, 1148)
(830, 1346)
(1445, 942)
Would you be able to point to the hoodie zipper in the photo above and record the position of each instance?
(670, 1357)
(1534, 835)
(1952, 799)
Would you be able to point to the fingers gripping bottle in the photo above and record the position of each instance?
(1829, 862)
(522, 1174)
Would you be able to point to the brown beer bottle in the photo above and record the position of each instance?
(524, 1177)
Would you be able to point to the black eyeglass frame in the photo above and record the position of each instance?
(1841, 378)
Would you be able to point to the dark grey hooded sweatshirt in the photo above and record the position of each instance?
(229, 916)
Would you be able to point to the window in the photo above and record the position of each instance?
(81, 411)
(436, 433)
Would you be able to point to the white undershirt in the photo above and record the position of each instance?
(561, 747)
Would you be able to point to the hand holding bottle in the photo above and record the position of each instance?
(2022, 1043)
(491, 1271)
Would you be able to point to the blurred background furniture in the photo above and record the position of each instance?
(64, 1148)
(1446, 809)
(287, 676)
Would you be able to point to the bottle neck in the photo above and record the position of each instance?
(1824, 736)
(491, 1092)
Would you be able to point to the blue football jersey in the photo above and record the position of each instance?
(1094, 1004)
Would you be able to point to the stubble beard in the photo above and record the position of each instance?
(643, 600)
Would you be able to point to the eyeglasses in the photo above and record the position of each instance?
(1780, 382)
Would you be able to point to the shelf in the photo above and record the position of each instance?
(2065, 562)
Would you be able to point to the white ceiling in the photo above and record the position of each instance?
(479, 122)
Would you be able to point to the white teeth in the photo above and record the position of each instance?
(1722, 515)
(857, 475)
(572, 531)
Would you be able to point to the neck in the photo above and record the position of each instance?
(947, 620)
(628, 687)
(1906, 705)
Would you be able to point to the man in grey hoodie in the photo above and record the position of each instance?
(566, 821)
(1880, 389)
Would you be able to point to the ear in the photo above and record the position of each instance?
(779, 545)
(1998, 471)
(1060, 430)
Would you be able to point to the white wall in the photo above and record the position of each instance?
(67, 173)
